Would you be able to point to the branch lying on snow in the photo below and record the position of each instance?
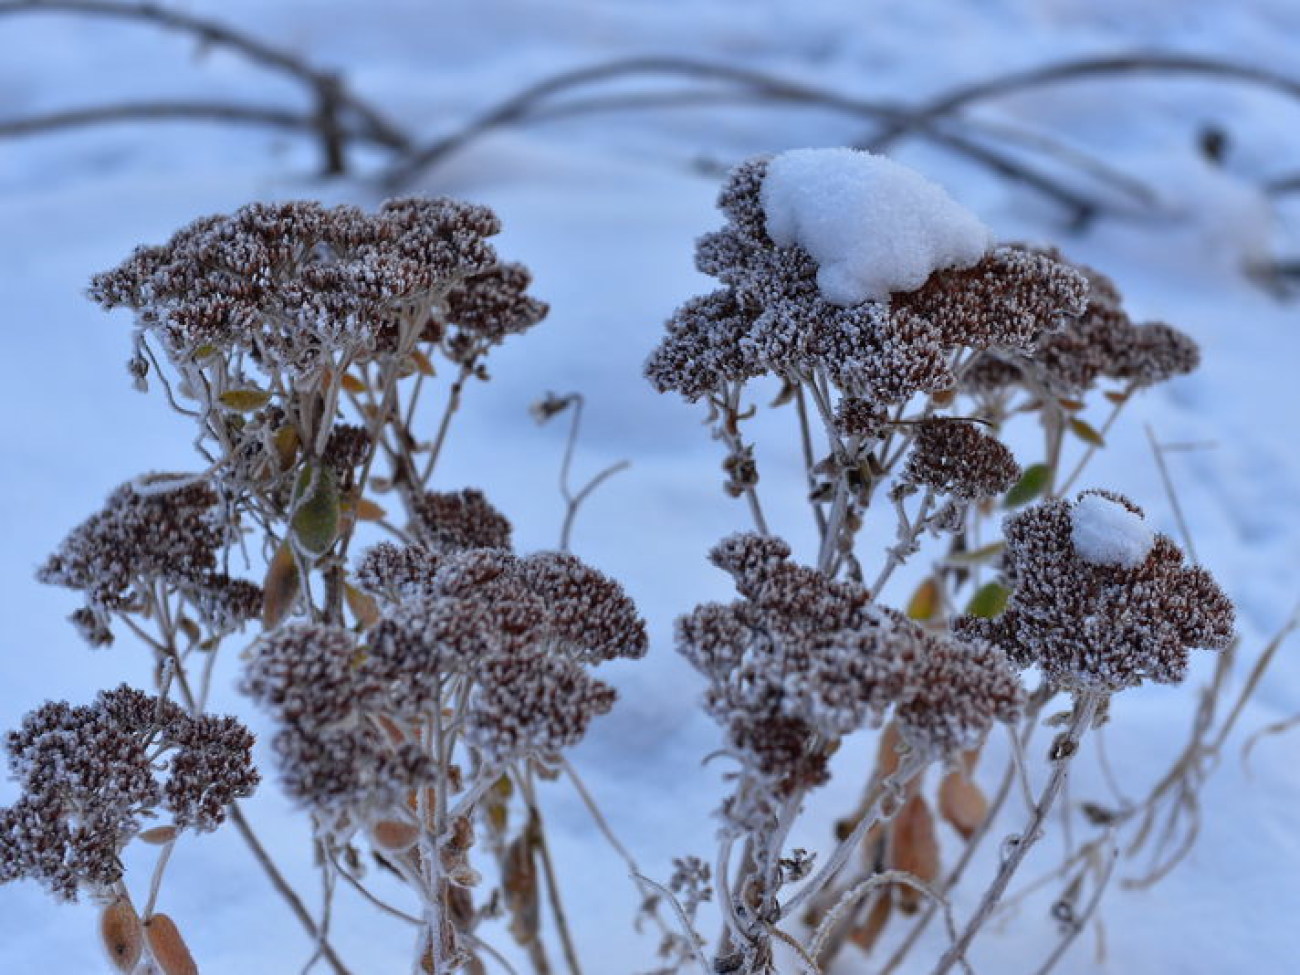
(958, 98)
(331, 97)
(534, 104)
(342, 119)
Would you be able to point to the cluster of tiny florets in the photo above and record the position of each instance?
(454, 520)
(772, 317)
(1101, 342)
(92, 775)
(292, 285)
(803, 660)
(955, 457)
(512, 637)
(1101, 625)
(144, 536)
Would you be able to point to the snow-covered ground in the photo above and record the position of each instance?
(604, 209)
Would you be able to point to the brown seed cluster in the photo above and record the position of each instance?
(90, 776)
(802, 660)
(142, 536)
(1101, 627)
(454, 520)
(956, 458)
(772, 317)
(510, 637)
(293, 285)
(1102, 342)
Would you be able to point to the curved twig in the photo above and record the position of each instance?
(332, 98)
(1008, 84)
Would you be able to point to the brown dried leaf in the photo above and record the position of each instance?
(286, 447)
(367, 510)
(352, 384)
(168, 947)
(865, 934)
(280, 587)
(422, 363)
(961, 803)
(913, 848)
(394, 835)
(119, 929)
(158, 835)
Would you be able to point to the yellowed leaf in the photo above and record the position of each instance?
(158, 835)
(1086, 432)
(961, 803)
(244, 400)
(422, 363)
(914, 848)
(363, 606)
(924, 603)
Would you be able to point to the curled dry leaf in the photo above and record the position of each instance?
(962, 803)
(168, 947)
(394, 835)
(913, 848)
(119, 928)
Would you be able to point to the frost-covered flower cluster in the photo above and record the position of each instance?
(150, 532)
(802, 660)
(92, 777)
(801, 293)
(1098, 602)
(504, 640)
(954, 457)
(297, 286)
(1102, 342)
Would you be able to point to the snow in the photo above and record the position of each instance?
(604, 208)
(1105, 532)
(872, 224)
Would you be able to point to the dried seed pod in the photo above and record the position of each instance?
(914, 848)
(393, 835)
(961, 803)
(519, 882)
(168, 947)
(119, 929)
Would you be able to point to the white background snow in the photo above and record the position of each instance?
(604, 209)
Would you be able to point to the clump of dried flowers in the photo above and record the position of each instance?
(421, 694)
(904, 391)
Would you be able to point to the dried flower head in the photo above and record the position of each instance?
(90, 777)
(450, 520)
(1096, 621)
(803, 660)
(1101, 342)
(150, 532)
(955, 457)
(773, 317)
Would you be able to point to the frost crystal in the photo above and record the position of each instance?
(1105, 532)
(872, 225)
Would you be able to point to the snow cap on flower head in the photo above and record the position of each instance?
(1100, 602)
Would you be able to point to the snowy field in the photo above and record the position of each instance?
(604, 209)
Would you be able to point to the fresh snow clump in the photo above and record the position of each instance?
(1105, 532)
(872, 225)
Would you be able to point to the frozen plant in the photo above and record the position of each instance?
(906, 341)
(419, 693)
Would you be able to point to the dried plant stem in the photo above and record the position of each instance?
(155, 883)
(881, 809)
(1077, 924)
(573, 501)
(1085, 708)
(537, 833)
(685, 921)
